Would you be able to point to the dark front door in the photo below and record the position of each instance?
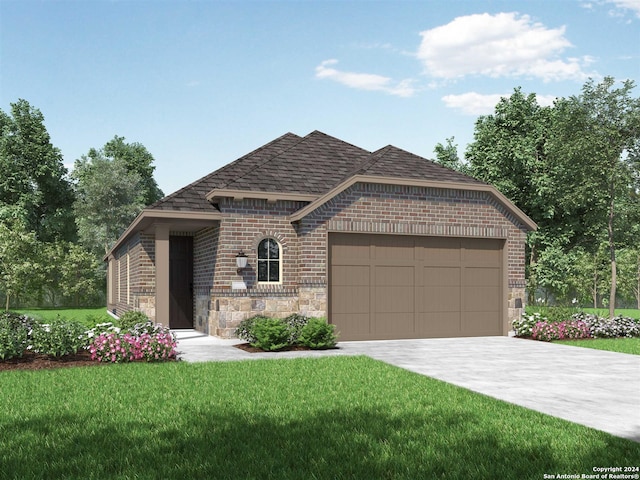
(180, 282)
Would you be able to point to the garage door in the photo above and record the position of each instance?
(392, 286)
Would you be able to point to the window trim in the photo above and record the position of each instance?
(280, 262)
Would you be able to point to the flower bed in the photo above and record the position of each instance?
(60, 339)
(117, 347)
(581, 325)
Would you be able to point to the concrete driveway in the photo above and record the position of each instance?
(594, 388)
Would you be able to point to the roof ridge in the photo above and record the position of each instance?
(338, 139)
(374, 158)
(296, 144)
(276, 154)
(433, 162)
(221, 170)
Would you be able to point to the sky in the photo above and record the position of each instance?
(201, 83)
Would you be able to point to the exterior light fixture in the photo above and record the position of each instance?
(241, 261)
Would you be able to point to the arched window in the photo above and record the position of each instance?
(269, 261)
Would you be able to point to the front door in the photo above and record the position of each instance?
(180, 282)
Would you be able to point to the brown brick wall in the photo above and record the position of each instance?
(392, 209)
(243, 226)
(141, 276)
(364, 208)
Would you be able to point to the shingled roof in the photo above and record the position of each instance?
(311, 165)
(311, 169)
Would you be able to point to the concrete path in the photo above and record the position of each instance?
(595, 388)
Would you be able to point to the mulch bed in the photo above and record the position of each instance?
(295, 348)
(36, 361)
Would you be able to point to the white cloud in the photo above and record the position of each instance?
(473, 103)
(633, 5)
(501, 45)
(365, 81)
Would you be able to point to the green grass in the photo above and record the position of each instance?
(625, 312)
(86, 316)
(568, 311)
(332, 417)
(622, 345)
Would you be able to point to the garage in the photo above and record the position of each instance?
(394, 286)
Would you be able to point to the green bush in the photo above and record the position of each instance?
(270, 334)
(523, 326)
(59, 338)
(14, 334)
(295, 322)
(318, 334)
(245, 331)
(130, 319)
(17, 319)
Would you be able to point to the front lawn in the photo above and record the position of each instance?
(87, 316)
(332, 417)
(622, 345)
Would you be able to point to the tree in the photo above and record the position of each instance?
(21, 260)
(591, 278)
(109, 196)
(629, 260)
(593, 133)
(136, 159)
(508, 152)
(74, 273)
(32, 174)
(447, 156)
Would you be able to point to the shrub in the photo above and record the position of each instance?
(295, 323)
(111, 347)
(117, 347)
(318, 334)
(13, 335)
(610, 328)
(245, 331)
(523, 326)
(270, 334)
(560, 314)
(131, 318)
(548, 331)
(149, 328)
(16, 320)
(58, 338)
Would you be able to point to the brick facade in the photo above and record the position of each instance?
(361, 208)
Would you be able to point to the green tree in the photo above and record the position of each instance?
(591, 280)
(447, 156)
(592, 135)
(109, 196)
(74, 273)
(554, 269)
(629, 260)
(32, 174)
(508, 152)
(21, 259)
(137, 159)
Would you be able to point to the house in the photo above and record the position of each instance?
(385, 244)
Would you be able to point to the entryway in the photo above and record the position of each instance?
(180, 282)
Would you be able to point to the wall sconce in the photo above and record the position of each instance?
(241, 261)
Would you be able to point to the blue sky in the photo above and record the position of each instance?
(202, 83)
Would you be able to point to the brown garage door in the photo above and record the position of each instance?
(391, 286)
